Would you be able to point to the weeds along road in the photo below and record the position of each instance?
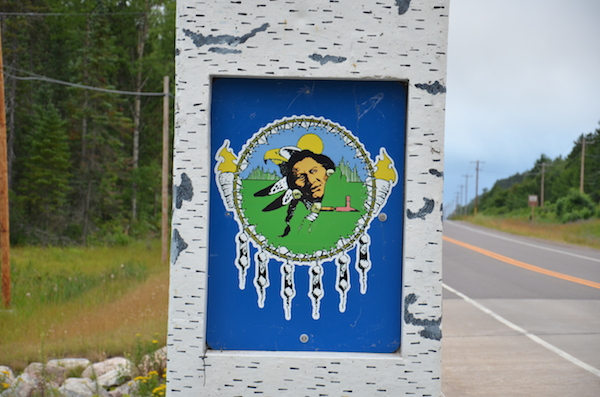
(521, 316)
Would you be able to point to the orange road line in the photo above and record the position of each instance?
(524, 265)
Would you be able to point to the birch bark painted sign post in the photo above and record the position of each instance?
(306, 231)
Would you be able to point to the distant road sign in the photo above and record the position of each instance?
(533, 200)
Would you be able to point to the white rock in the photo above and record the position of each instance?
(23, 386)
(70, 363)
(99, 369)
(42, 374)
(124, 389)
(114, 377)
(6, 375)
(81, 387)
(155, 361)
(33, 369)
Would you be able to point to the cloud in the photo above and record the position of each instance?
(522, 80)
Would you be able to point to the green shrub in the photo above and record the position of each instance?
(494, 211)
(574, 206)
(547, 212)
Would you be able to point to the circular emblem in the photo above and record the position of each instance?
(303, 190)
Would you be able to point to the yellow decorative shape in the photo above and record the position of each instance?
(274, 156)
(229, 159)
(310, 142)
(385, 167)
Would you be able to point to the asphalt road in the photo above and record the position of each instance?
(521, 316)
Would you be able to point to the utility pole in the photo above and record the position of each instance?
(476, 184)
(543, 184)
(582, 173)
(457, 204)
(461, 196)
(4, 213)
(467, 192)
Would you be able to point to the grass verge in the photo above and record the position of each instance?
(83, 302)
(583, 233)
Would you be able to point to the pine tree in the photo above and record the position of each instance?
(94, 43)
(45, 182)
(98, 125)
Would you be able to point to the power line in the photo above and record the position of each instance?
(54, 14)
(87, 87)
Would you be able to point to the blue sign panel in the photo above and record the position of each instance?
(305, 238)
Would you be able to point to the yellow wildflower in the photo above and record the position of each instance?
(154, 341)
(159, 391)
(152, 373)
(5, 385)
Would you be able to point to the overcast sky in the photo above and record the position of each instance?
(523, 79)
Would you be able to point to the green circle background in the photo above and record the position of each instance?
(307, 240)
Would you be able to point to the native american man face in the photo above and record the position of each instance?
(310, 177)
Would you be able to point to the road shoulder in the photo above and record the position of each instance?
(483, 357)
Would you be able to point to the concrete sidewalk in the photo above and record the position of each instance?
(483, 357)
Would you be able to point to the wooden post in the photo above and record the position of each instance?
(533, 202)
(542, 194)
(165, 173)
(4, 214)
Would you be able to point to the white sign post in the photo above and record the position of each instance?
(261, 168)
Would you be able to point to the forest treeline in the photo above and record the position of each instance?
(563, 200)
(85, 165)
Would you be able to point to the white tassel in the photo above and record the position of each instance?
(261, 277)
(316, 288)
(342, 284)
(242, 259)
(363, 261)
(288, 289)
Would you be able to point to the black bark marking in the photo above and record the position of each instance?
(220, 50)
(199, 39)
(185, 191)
(402, 6)
(435, 172)
(425, 210)
(177, 245)
(433, 89)
(431, 328)
(327, 58)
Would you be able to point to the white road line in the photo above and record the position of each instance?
(528, 244)
(528, 334)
